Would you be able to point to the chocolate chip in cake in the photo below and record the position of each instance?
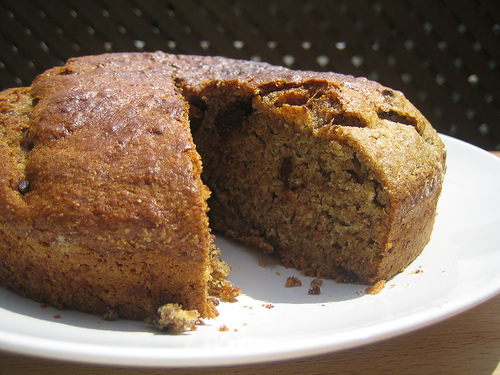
(387, 92)
(23, 186)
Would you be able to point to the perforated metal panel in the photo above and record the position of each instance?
(442, 54)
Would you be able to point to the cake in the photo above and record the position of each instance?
(109, 162)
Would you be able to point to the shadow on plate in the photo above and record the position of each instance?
(14, 303)
(260, 278)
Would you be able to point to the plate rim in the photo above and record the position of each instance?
(182, 357)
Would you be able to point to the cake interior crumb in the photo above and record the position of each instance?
(315, 287)
(377, 288)
(173, 319)
(292, 281)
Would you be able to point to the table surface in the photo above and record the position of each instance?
(468, 343)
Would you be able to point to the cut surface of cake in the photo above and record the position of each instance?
(107, 159)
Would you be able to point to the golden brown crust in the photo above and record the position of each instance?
(115, 198)
(105, 210)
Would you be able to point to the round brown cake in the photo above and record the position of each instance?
(104, 203)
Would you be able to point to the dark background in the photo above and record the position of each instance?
(442, 54)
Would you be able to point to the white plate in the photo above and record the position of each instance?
(457, 270)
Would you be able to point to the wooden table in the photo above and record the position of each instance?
(468, 343)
